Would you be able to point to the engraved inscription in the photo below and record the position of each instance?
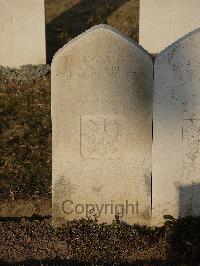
(191, 147)
(100, 100)
(98, 66)
(100, 137)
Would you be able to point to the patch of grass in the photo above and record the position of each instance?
(25, 139)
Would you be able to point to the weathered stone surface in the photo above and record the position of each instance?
(176, 130)
(164, 21)
(22, 32)
(102, 128)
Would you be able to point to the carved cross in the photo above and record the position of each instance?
(172, 24)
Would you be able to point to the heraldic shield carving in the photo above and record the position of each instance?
(100, 137)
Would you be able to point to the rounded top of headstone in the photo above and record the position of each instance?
(101, 28)
(176, 44)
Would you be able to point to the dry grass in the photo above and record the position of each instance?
(25, 140)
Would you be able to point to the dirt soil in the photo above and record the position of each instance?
(34, 242)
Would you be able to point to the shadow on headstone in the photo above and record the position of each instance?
(184, 233)
(176, 125)
(76, 20)
(189, 201)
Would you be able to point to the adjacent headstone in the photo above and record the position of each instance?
(176, 130)
(164, 21)
(22, 32)
(102, 129)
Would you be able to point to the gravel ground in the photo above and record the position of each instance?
(33, 241)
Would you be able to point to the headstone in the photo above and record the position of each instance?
(22, 32)
(102, 129)
(176, 130)
(162, 22)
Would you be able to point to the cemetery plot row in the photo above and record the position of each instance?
(22, 27)
(102, 108)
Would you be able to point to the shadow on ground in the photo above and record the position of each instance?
(76, 20)
(184, 233)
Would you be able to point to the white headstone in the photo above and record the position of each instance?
(22, 32)
(162, 22)
(102, 128)
(176, 130)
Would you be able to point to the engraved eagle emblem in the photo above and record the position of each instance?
(101, 137)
